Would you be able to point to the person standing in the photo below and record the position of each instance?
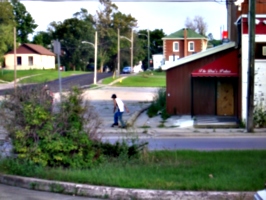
(119, 108)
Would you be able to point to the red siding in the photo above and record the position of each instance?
(178, 84)
(168, 51)
(260, 28)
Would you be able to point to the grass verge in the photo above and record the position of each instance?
(36, 76)
(168, 170)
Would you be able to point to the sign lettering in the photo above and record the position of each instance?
(214, 71)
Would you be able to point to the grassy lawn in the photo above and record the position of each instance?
(37, 76)
(169, 170)
(145, 79)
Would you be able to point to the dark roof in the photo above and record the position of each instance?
(180, 34)
(32, 49)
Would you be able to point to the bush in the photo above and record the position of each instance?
(56, 135)
(61, 138)
(259, 116)
(158, 105)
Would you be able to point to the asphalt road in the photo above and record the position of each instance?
(68, 82)
(201, 143)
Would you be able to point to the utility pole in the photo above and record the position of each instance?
(251, 70)
(15, 60)
(118, 52)
(131, 52)
(148, 31)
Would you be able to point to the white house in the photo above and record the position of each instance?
(30, 56)
(158, 61)
(260, 61)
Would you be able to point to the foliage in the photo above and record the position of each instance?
(71, 33)
(197, 24)
(25, 23)
(63, 137)
(6, 28)
(158, 105)
(259, 115)
(43, 38)
(156, 44)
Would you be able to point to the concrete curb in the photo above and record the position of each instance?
(117, 193)
(130, 122)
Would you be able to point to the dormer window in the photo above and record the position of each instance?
(175, 47)
(191, 46)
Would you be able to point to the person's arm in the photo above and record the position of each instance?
(114, 105)
(126, 109)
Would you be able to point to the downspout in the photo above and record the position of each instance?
(185, 42)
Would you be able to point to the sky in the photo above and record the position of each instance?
(168, 16)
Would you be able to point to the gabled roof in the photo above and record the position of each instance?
(180, 35)
(32, 48)
(199, 55)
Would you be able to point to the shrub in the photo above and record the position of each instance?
(259, 116)
(64, 134)
(158, 105)
(64, 137)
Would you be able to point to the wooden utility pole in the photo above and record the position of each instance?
(251, 70)
(15, 60)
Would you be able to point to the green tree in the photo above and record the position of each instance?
(156, 43)
(43, 38)
(6, 28)
(25, 23)
(108, 20)
(71, 33)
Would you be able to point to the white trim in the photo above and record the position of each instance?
(191, 50)
(198, 55)
(174, 49)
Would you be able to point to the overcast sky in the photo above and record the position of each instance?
(169, 16)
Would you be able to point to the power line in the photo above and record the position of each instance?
(217, 1)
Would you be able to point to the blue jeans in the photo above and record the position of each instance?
(118, 116)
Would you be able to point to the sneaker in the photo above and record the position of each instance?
(114, 124)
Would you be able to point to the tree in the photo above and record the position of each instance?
(43, 38)
(197, 24)
(108, 20)
(156, 43)
(25, 23)
(71, 33)
(7, 25)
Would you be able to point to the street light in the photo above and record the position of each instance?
(131, 41)
(95, 56)
(148, 38)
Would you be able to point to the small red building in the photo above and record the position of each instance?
(205, 83)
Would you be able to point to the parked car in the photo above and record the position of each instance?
(126, 70)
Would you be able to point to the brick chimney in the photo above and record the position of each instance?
(185, 42)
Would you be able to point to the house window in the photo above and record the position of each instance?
(175, 46)
(191, 46)
(30, 60)
(19, 60)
